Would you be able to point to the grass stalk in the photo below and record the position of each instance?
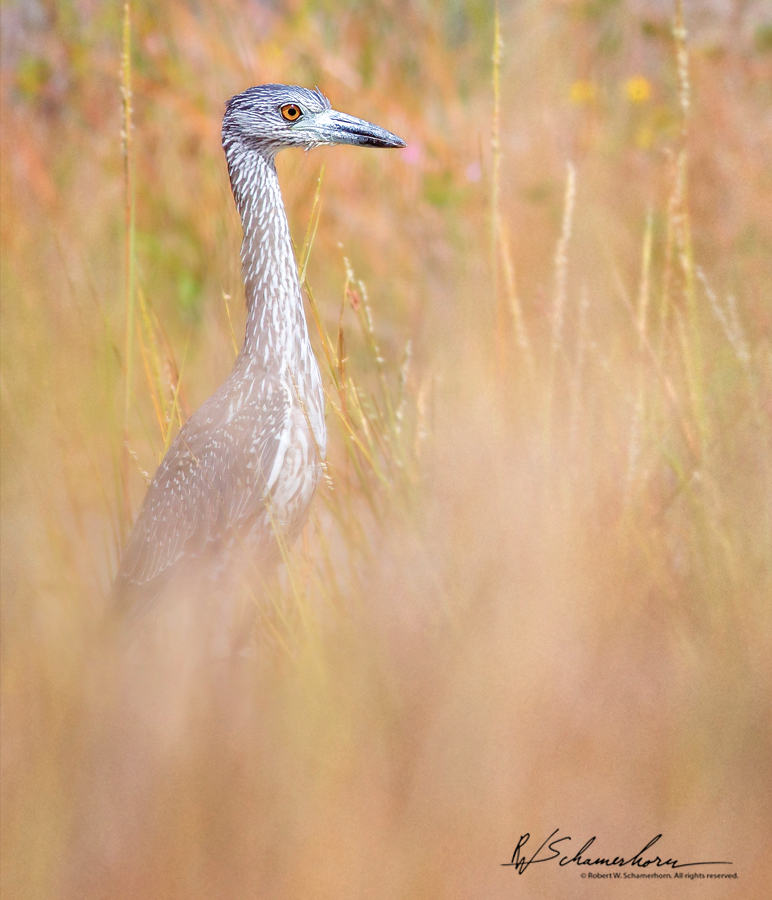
(226, 300)
(515, 308)
(130, 255)
(642, 311)
(313, 224)
(495, 214)
(690, 332)
(559, 300)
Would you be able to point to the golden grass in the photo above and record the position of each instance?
(534, 588)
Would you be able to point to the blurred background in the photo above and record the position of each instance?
(535, 589)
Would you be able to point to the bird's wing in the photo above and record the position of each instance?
(215, 474)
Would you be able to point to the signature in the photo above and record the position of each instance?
(521, 860)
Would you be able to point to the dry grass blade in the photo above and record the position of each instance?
(130, 253)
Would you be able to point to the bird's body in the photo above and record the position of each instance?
(239, 477)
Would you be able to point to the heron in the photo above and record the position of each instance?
(238, 479)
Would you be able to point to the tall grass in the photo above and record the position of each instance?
(533, 590)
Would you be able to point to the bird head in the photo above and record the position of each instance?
(270, 117)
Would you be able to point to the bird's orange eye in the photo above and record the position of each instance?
(290, 112)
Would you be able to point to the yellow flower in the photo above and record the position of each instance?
(582, 92)
(638, 89)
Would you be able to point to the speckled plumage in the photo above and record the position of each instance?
(245, 465)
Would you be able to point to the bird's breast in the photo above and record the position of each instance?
(298, 473)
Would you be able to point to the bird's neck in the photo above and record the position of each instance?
(276, 332)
